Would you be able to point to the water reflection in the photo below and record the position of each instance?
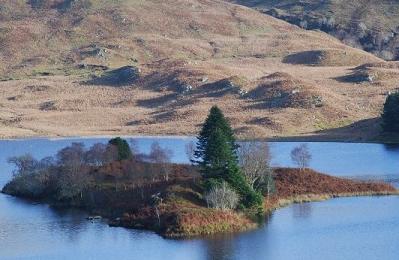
(391, 147)
(303, 210)
(221, 248)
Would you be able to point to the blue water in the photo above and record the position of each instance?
(347, 228)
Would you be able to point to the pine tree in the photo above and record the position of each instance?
(390, 115)
(123, 148)
(216, 154)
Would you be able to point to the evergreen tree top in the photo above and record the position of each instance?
(215, 126)
(124, 151)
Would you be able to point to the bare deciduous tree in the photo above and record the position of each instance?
(163, 157)
(24, 164)
(301, 156)
(96, 155)
(73, 176)
(222, 197)
(30, 175)
(254, 158)
(157, 201)
(134, 147)
(190, 150)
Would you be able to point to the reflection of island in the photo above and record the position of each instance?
(303, 210)
(221, 247)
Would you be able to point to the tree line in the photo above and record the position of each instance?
(66, 175)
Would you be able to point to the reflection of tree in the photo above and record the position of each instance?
(68, 222)
(303, 210)
(220, 247)
(227, 246)
(391, 147)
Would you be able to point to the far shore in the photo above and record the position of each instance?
(299, 138)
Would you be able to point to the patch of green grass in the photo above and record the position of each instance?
(325, 125)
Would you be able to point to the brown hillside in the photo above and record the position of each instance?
(59, 61)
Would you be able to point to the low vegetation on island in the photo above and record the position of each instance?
(228, 187)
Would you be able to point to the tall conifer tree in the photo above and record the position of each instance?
(216, 154)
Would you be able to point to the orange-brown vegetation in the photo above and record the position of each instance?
(293, 182)
(183, 212)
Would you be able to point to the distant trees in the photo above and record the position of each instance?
(216, 155)
(222, 197)
(162, 157)
(71, 176)
(390, 115)
(96, 155)
(66, 175)
(31, 176)
(301, 156)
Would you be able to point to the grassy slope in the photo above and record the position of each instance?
(175, 44)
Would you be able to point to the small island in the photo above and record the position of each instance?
(226, 188)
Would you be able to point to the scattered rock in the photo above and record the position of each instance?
(281, 90)
(93, 51)
(121, 76)
(37, 88)
(92, 67)
(94, 218)
(48, 106)
(14, 98)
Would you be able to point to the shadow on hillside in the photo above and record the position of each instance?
(123, 76)
(303, 58)
(172, 100)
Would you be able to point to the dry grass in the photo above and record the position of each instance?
(175, 44)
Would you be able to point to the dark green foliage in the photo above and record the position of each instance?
(215, 125)
(123, 148)
(390, 115)
(216, 154)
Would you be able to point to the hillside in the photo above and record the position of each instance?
(61, 71)
(366, 24)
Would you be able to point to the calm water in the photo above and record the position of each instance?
(347, 228)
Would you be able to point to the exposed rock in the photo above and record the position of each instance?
(48, 105)
(121, 76)
(281, 90)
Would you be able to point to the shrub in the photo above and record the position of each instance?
(222, 197)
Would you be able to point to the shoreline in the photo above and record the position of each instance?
(283, 139)
(275, 205)
(183, 212)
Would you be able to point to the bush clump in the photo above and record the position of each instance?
(222, 197)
